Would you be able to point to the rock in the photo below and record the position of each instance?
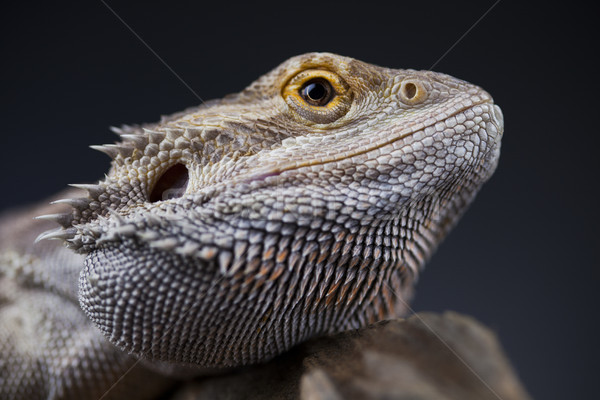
(426, 356)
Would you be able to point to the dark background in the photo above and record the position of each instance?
(522, 260)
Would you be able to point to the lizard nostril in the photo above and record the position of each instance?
(171, 184)
(410, 90)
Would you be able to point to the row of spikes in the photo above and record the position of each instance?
(66, 231)
(136, 140)
(132, 137)
(129, 134)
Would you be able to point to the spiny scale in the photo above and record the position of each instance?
(78, 202)
(125, 129)
(63, 219)
(173, 134)
(155, 136)
(140, 141)
(57, 234)
(93, 189)
(113, 150)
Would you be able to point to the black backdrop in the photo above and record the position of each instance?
(522, 259)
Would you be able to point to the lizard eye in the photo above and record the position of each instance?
(318, 96)
(317, 92)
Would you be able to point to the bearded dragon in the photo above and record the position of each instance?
(223, 235)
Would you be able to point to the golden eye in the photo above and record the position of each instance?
(317, 96)
(317, 92)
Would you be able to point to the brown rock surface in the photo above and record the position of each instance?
(426, 356)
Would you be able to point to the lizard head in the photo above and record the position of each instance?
(304, 205)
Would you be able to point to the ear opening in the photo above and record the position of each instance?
(172, 184)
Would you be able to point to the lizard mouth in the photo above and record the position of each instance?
(495, 117)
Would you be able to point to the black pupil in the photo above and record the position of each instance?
(316, 92)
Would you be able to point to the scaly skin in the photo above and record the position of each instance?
(226, 234)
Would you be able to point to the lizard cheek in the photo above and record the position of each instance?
(171, 184)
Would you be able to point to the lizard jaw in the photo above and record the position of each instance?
(496, 119)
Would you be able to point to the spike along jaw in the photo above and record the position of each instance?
(304, 205)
